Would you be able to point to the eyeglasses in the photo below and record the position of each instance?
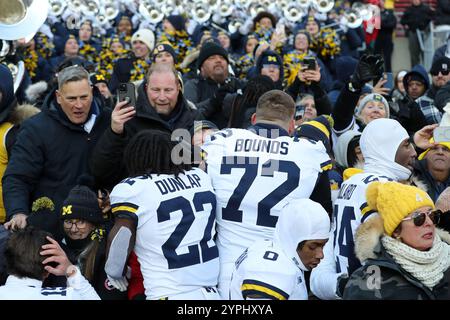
(444, 72)
(80, 224)
(420, 217)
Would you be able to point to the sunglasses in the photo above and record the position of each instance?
(444, 72)
(420, 217)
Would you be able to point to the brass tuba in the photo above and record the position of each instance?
(324, 6)
(57, 7)
(201, 13)
(234, 25)
(21, 18)
(151, 12)
(293, 12)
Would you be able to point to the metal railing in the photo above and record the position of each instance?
(431, 39)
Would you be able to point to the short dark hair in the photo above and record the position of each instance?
(22, 253)
(149, 152)
(275, 105)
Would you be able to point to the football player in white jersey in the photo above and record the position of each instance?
(256, 172)
(31, 255)
(166, 213)
(273, 269)
(388, 156)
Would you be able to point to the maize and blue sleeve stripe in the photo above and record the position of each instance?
(255, 288)
(327, 165)
(366, 212)
(126, 208)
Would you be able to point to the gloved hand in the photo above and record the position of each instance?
(368, 68)
(120, 284)
(217, 100)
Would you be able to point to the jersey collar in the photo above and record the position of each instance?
(270, 131)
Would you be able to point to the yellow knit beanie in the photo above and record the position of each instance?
(395, 201)
(423, 154)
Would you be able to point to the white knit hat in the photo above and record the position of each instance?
(372, 97)
(146, 36)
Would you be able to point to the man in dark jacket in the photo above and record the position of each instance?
(160, 105)
(443, 12)
(433, 168)
(416, 17)
(409, 114)
(383, 43)
(440, 75)
(209, 90)
(52, 148)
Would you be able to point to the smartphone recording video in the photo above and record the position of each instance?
(127, 92)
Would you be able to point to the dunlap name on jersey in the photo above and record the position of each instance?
(171, 184)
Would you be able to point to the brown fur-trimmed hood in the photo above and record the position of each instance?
(368, 234)
(23, 112)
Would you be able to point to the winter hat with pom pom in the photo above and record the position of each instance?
(395, 201)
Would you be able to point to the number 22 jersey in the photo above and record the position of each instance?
(175, 230)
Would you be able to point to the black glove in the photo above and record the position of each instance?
(341, 283)
(369, 67)
(217, 99)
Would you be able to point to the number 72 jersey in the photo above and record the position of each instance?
(254, 177)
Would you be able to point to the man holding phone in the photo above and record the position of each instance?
(307, 84)
(160, 105)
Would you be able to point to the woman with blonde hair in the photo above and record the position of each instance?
(404, 255)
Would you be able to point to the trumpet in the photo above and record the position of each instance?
(57, 7)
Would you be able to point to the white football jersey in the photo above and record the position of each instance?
(78, 288)
(263, 271)
(254, 177)
(350, 210)
(175, 231)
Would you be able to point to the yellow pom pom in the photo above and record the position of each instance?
(42, 203)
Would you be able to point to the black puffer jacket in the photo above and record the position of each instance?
(201, 90)
(381, 278)
(49, 155)
(443, 12)
(107, 161)
(417, 17)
